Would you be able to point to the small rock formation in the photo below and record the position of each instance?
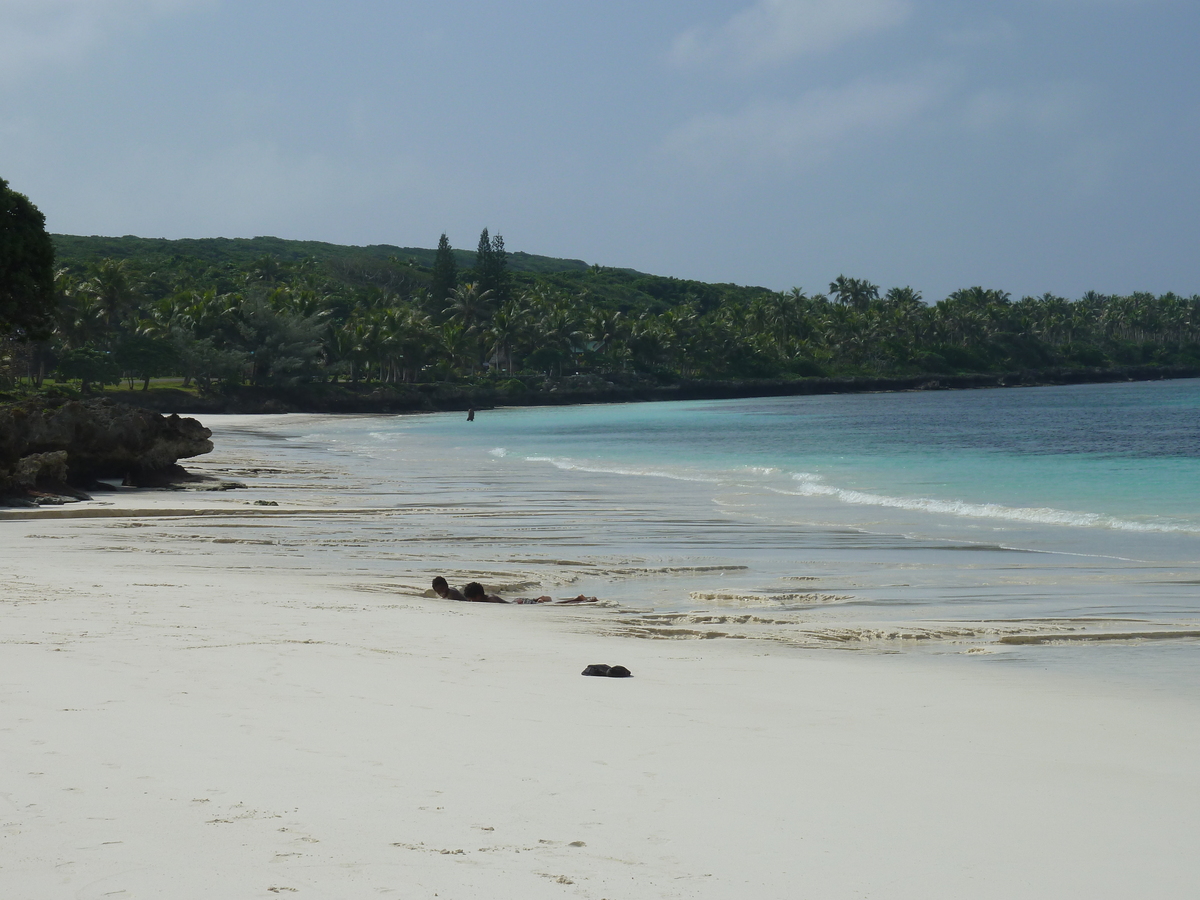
(52, 446)
(39, 467)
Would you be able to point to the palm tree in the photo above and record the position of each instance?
(605, 329)
(111, 288)
(459, 347)
(469, 306)
(649, 342)
(854, 292)
(508, 324)
(80, 316)
(556, 334)
(416, 341)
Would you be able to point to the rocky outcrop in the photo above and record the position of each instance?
(48, 444)
(46, 468)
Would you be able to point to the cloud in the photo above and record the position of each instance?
(993, 32)
(1058, 106)
(1090, 166)
(773, 32)
(39, 33)
(804, 130)
(1057, 118)
(241, 188)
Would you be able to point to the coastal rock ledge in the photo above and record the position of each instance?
(51, 448)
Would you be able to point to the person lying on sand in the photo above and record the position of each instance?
(443, 590)
(474, 593)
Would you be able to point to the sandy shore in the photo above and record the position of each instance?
(188, 720)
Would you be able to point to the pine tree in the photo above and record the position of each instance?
(499, 269)
(483, 257)
(445, 274)
(491, 266)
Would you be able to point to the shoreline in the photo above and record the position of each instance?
(252, 733)
(392, 398)
(258, 701)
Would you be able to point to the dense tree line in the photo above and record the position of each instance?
(26, 267)
(281, 322)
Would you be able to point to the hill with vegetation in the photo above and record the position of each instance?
(78, 251)
(248, 317)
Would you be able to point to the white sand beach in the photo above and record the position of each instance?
(206, 698)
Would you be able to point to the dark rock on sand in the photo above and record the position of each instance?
(52, 447)
(604, 671)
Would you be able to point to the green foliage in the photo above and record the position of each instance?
(26, 267)
(89, 365)
(211, 368)
(445, 272)
(854, 292)
(491, 266)
(284, 345)
(239, 312)
(237, 253)
(145, 357)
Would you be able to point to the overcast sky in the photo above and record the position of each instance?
(1032, 145)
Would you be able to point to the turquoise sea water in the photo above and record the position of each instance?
(1118, 457)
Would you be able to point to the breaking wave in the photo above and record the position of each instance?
(810, 485)
(572, 465)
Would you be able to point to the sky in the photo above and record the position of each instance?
(1029, 146)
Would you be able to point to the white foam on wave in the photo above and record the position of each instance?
(573, 465)
(498, 451)
(810, 485)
